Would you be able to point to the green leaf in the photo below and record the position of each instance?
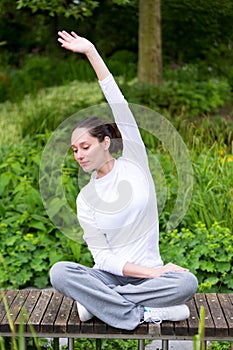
(4, 181)
(38, 225)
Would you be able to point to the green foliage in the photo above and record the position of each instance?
(191, 29)
(108, 344)
(55, 7)
(129, 69)
(181, 98)
(39, 71)
(212, 196)
(216, 345)
(29, 243)
(208, 253)
(46, 110)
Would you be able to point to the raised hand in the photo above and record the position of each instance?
(74, 42)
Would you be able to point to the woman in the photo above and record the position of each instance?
(118, 213)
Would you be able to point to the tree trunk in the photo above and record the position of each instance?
(149, 36)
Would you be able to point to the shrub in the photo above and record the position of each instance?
(46, 110)
(37, 72)
(29, 243)
(208, 253)
(189, 99)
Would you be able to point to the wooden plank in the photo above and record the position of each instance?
(39, 310)
(48, 320)
(60, 324)
(14, 308)
(193, 320)
(167, 328)
(142, 329)
(200, 300)
(181, 328)
(113, 330)
(99, 326)
(227, 308)
(155, 329)
(87, 327)
(73, 324)
(221, 327)
(27, 309)
(9, 296)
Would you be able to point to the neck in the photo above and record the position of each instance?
(106, 168)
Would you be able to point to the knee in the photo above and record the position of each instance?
(58, 274)
(188, 285)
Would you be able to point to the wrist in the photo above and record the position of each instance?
(91, 52)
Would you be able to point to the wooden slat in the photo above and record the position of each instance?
(193, 320)
(221, 327)
(181, 328)
(113, 330)
(167, 328)
(142, 329)
(87, 327)
(39, 310)
(154, 329)
(48, 320)
(226, 301)
(14, 308)
(200, 300)
(73, 324)
(227, 308)
(99, 326)
(27, 309)
(9, 296)
(60, 324)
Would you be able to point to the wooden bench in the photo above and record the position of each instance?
(54, 316)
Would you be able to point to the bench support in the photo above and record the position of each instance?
(141, 344)
(71, 343)
(165, 344)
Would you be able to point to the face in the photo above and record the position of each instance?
(88, 151)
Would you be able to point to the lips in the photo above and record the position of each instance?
(83, 164)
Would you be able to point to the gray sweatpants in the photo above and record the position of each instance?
(118, 300)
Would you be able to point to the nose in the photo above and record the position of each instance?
(78, 155)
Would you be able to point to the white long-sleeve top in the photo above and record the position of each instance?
(118, 212)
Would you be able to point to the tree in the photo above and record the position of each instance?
(149, 34)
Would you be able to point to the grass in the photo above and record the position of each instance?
(46, 110)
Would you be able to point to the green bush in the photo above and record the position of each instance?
(46, 110)
(37, 72)
(123, 63)
(188, 99)
(208, 253)
(212, 195)
(29, 243)
(218, 345)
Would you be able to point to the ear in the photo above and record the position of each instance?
(107, 142)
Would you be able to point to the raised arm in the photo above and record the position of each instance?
(78, 44)
(122, 114)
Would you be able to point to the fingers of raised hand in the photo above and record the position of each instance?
(66, 37)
